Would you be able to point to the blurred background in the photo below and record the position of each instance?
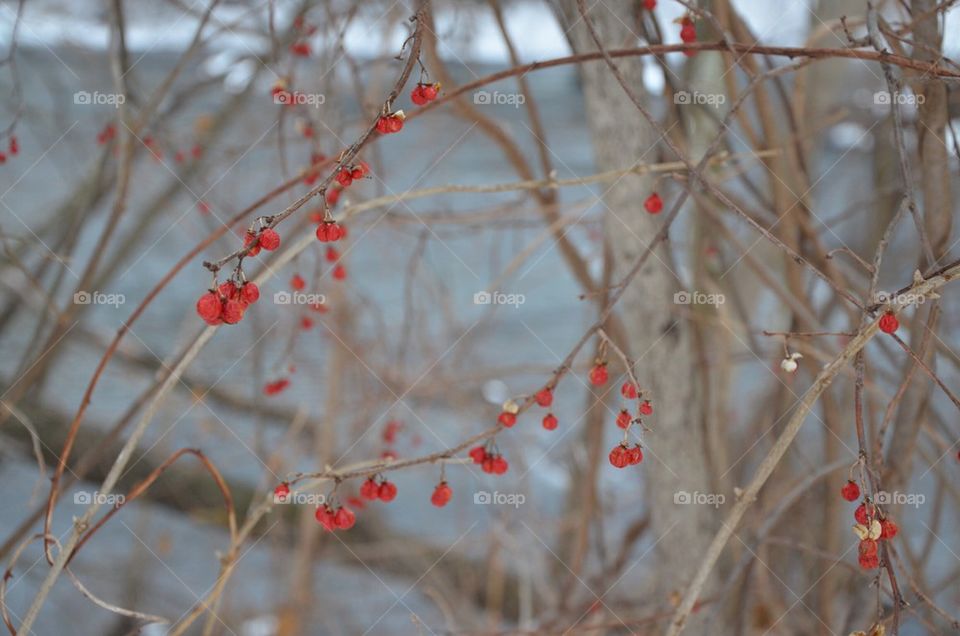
(408, 357)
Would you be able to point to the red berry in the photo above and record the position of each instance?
(344, 518)
(544, 397)
(325, 517)
(232, 312)
(507, 419)
(550, 421)
(636, 455)
(369, 489)
(300, 49)
(387, 491)
(499, 465)
(623, 418)
(339, 272)
(332, 254)
(356, 173)
(863, 514)
(599, 374)
(646, 408)
(306, 322)
(487, 464)
(209, 307)
(394, 124)
(280, 492)
(430, 91)
(620, 456)
(269, 240)
(653, 204)
(478, 454)
(688, 31)
(330, 231)
(345, 177)
(650, 5)
(250, 293)
(275, 387)
(250, 240)
(850, 491)
(441, 495)
(14, 146)
(297, 282)
(629, 390)
(417, 96)
(888, 322)
(888, 529)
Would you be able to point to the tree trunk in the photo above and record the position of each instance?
(675, 460)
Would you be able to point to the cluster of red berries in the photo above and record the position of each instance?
(624, 455)
(281, 492)
(339, 518)
(442, 495)
(228, 303)
(392, 123)
(653, 204)
(267, 239)
(688, 33)
(544, 398)
(384, 490)
(347, 176)
(872, 526)
(424, 93)
(888, 322)
(13, 148)
(330, 231)
(490, 462)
